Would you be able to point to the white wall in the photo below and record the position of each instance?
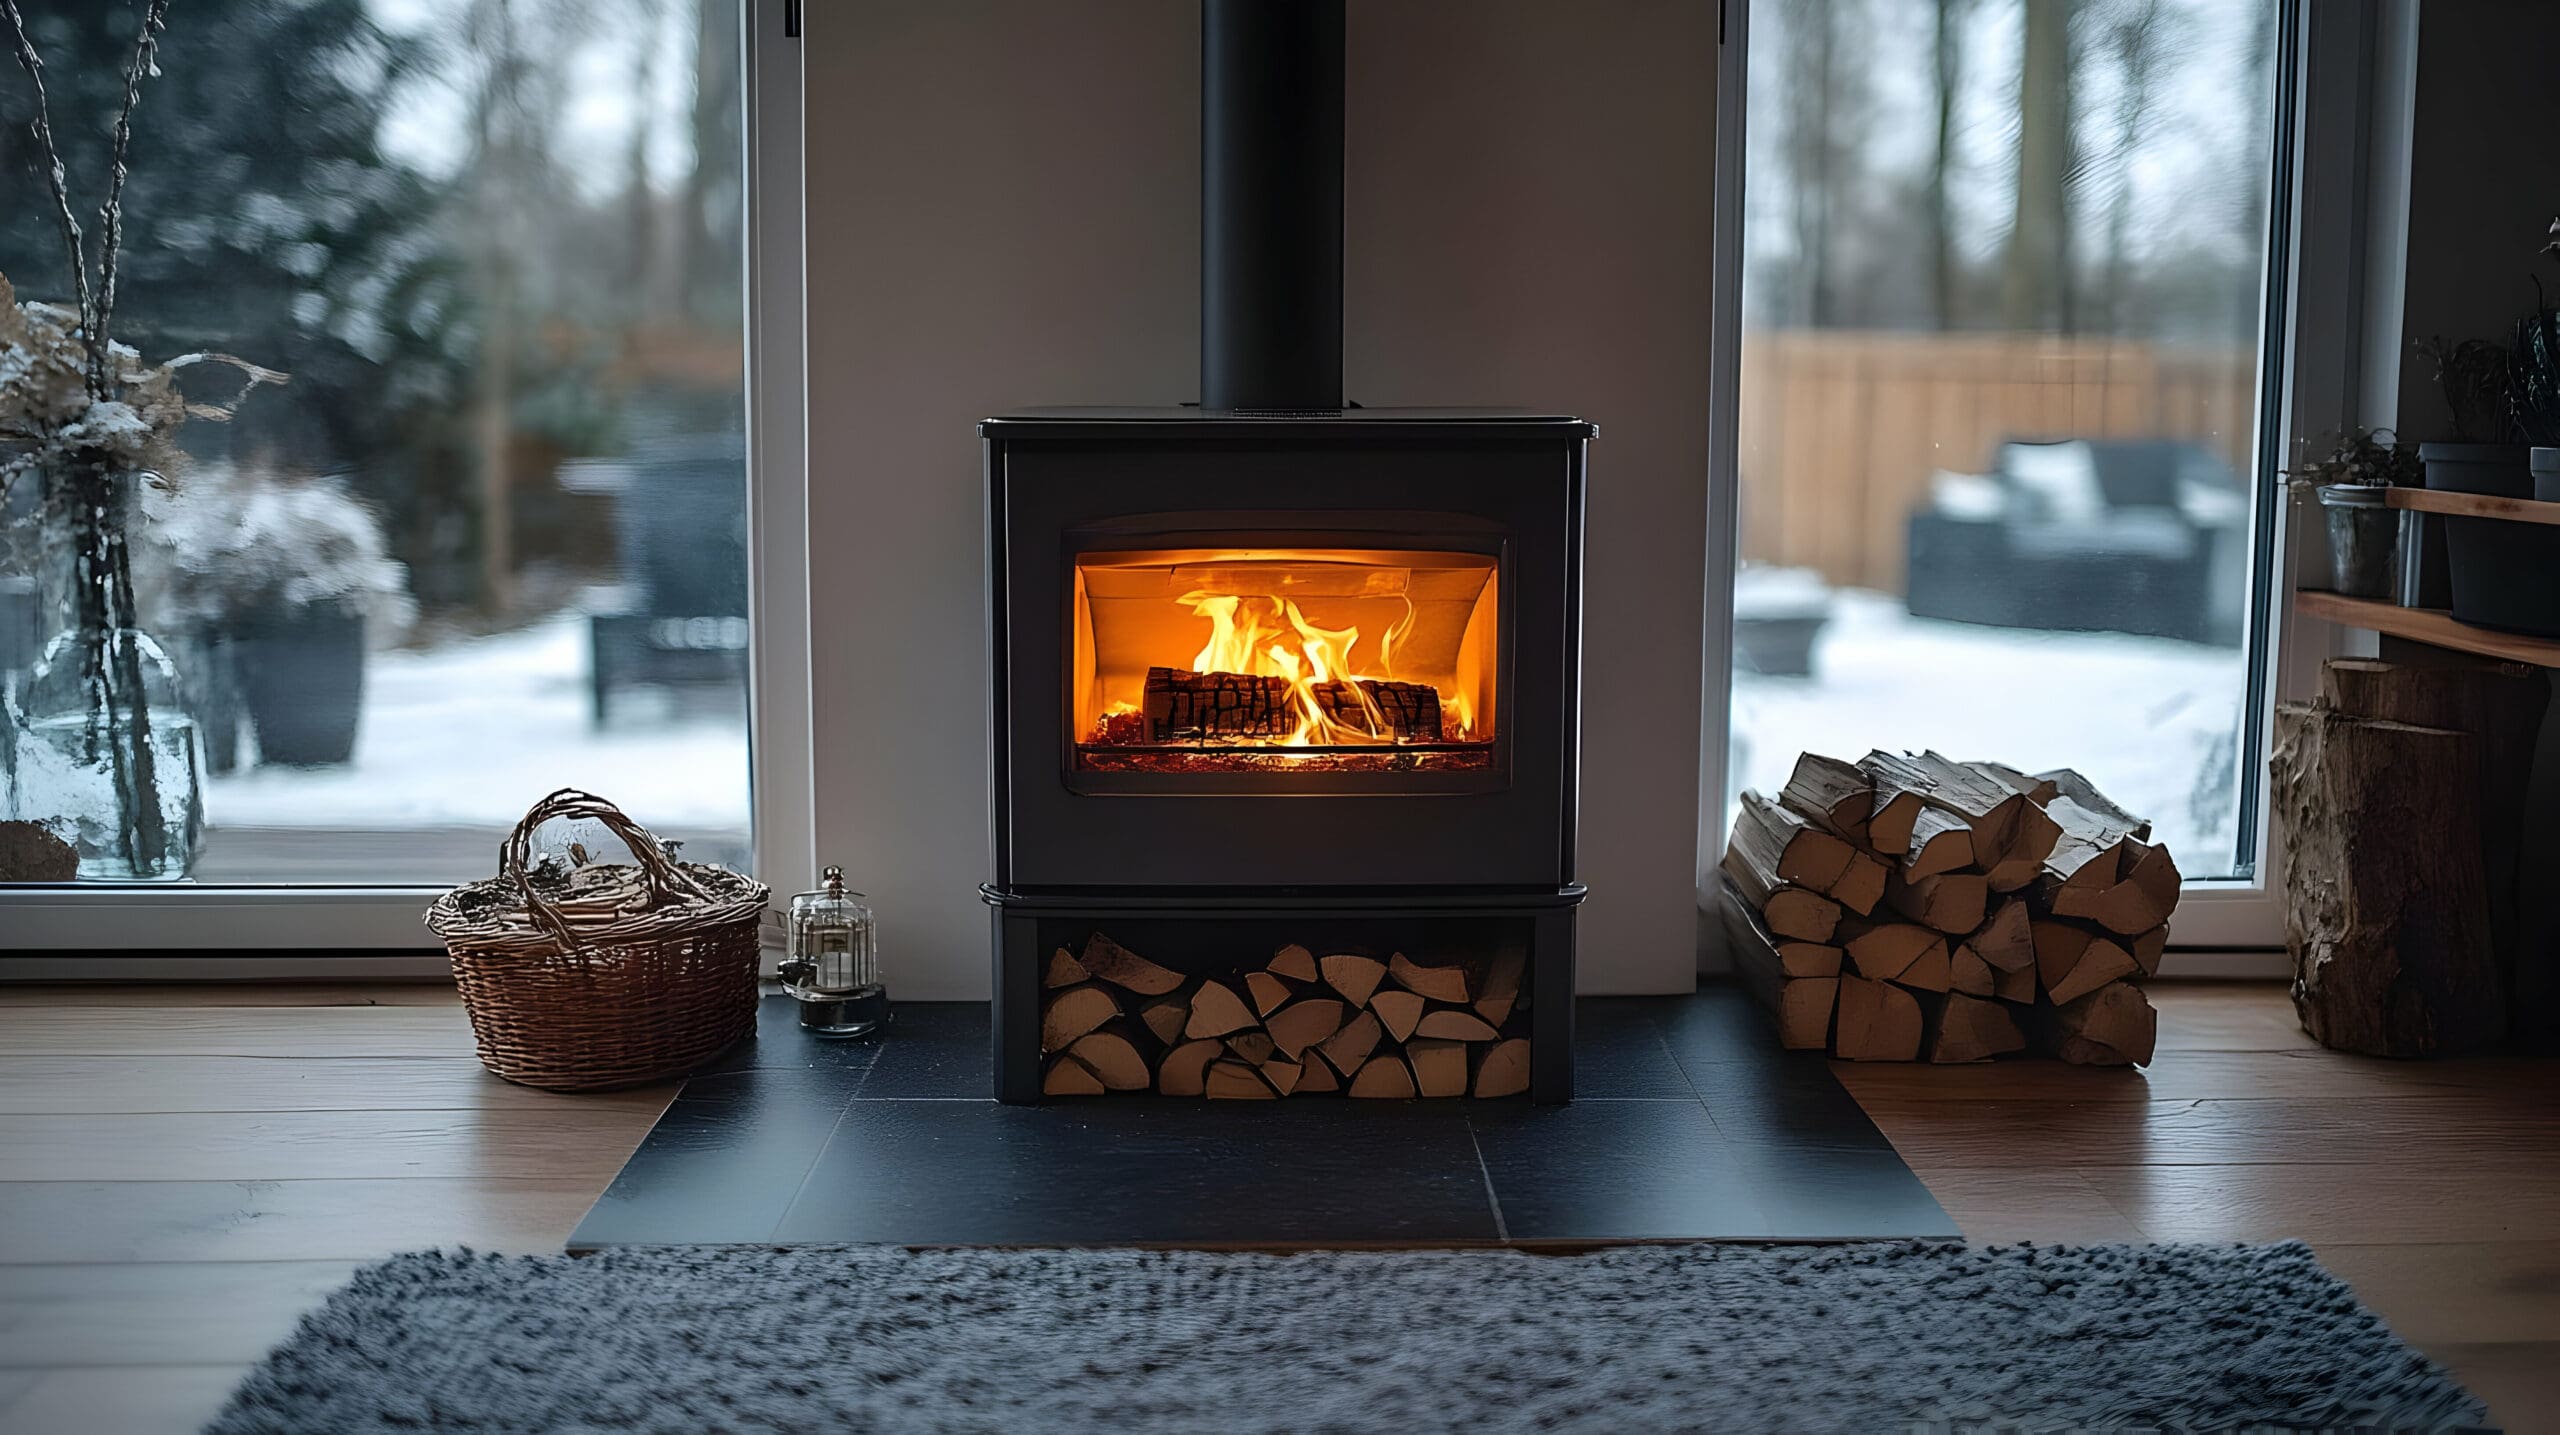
(1003, 210)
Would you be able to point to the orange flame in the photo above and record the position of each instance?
(1268, 636)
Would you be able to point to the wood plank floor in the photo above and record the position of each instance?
(184, 1170)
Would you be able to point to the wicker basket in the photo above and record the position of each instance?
(605, 975)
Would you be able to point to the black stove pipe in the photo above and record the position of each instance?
(1271, 204)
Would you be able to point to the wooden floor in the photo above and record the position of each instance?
(183, 1171)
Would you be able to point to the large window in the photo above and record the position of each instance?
(488, 535)
(2004, 289)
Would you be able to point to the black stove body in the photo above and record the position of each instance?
(1279, 671)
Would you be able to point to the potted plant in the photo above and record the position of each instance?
(2483, 455)
(2352, 474)
(2533, 383)
(281, 582)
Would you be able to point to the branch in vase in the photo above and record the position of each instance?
(146, 44)
(33, 64)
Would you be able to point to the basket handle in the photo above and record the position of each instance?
(668, 883)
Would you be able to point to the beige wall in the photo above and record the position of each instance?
(1003, 211)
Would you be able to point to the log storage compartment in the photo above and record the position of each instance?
(1300, 1021)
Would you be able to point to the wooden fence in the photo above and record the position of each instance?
(1842, 431)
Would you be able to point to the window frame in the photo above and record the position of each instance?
(70, 931)
(2327, 239)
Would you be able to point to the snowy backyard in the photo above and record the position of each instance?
(2152, 721)
(456, 742)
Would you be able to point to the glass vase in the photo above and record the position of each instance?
(102, 750)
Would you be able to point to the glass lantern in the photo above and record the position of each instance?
(832, 963)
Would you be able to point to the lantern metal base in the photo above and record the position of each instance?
(844, 1018)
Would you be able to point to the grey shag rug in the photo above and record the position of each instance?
(1652, 1338)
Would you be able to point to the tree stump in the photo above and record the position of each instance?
(2386, 895)
(2501, 705)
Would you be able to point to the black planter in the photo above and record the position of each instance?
(301, 675)
(2498, 469)
(2546, 474)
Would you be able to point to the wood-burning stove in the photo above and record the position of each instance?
(1286, 693)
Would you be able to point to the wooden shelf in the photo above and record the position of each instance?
(2430, 625)
(2474, 505)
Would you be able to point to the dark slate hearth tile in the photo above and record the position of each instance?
(722, 1165)
(1718, 1022)
(1618, 1053)
(1135, 1171)
(1784, 1114)
(934, 1049)
(1829, 1193)
(780, 1041)
(1617, 1170)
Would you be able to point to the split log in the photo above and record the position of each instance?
(1114, 1058)
(2030, 842)
(1441, 984)
(2007, 940)
(1969, 974)
(1789, 911)
(1502, 985)
(1832, 795)
(2090, 853)
(1439, 1067)
(1504, 1069)
(1294, 962)
(1987, 807)
(2141, 900)
(2148, 948)
(1069, 1014)
(1184, 1070)
(1316, 1077)
(1787, 850)
(1801, 1005)
(1216, 1010)
(1399, 1011)
(1268, 992)
(2112, 1026)
(1384, 1078)
(1064, 970)
(2387, 895)
(1166, 1016)
(1355, 977)
(1252, 1047)
(1233, 1080)
(2017, 986)
(1450, 1025)
(2037, 790)
(1111, 962)
(1067, 1076)
(1941, 841)
(1950, 902)
(1882, 951)
(1300, 1025)
(1968, 1028)
(1932, 971)
(2073, 961)
(1410, 711)
(2069, 784)
(1352, 1045)
(1283, 1074)
(1878, 1022)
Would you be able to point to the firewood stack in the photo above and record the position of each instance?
(1905, 908)
(1301, 1025)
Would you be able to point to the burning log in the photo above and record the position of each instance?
(2027, 907)
(1182, 706)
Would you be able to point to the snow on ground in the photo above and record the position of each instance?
(470, 733)
(2153, 722)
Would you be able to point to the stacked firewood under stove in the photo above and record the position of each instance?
(1911, 907)
(1301, 1025)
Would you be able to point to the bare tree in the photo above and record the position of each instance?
(2035, 277)
(1947, 50)
(2142, 38)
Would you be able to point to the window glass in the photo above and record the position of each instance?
(2003, 284)
(483, 535)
